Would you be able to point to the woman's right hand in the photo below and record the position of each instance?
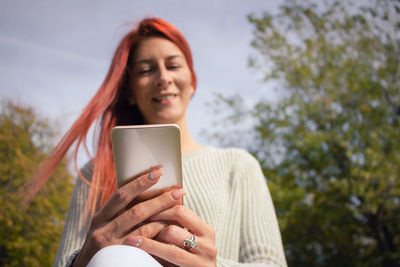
(117, 220)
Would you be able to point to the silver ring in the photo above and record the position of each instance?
(188, 244)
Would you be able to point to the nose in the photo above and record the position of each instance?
(164, 77)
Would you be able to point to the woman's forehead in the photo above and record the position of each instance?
(156, 47)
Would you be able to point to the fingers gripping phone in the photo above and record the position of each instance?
(139, 148)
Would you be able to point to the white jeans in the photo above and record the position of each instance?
(122, 256)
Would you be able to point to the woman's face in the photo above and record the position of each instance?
(161, 81)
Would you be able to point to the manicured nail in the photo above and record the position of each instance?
(155, 174)
(177, 194)
(134, 241)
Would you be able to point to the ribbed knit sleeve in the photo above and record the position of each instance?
(73, 235)
(260, 235)
(227, 189)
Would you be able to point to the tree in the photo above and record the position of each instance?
(29, 237)
(329, 146)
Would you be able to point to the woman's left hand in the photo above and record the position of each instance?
(169, 244)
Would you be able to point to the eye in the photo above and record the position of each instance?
(173, 66)
(143, 71)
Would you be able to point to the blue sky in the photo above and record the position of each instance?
(55, 54)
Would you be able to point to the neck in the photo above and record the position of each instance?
(188, 144)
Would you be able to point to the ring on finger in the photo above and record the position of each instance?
(188, 244)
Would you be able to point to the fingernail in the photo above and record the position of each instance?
(155, 174)
(177, 194)
(134, 241)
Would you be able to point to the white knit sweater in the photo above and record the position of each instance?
(227, 189)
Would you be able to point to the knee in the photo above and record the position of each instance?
(121, 255)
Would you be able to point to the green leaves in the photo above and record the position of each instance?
(334, 173)
(330, 144)
(29, 237)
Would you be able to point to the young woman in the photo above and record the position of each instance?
(228, 218)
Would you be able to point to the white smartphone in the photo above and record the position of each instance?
(139, 148)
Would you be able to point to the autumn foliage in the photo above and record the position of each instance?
(29, 237)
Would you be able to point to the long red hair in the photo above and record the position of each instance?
(109, 107)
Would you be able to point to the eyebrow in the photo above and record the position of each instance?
(145, 60)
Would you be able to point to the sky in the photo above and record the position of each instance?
(54, 54)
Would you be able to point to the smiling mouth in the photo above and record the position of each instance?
(164, 98)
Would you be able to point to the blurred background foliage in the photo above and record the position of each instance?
(329, 144)
(29, 237)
